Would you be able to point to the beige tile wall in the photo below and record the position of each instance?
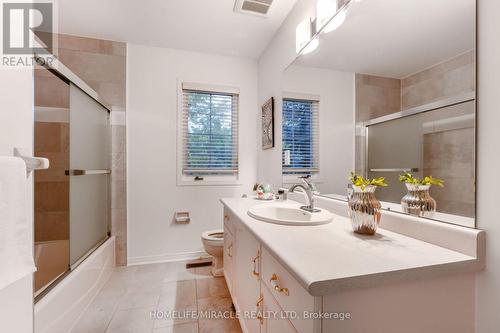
(102, 65)
(376, 96)
(52, 186)
(449, 155)
(450, 78)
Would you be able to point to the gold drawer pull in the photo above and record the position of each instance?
(226, 218)
(229, 250)
(259, 310)
(254, 263)
(277, 287)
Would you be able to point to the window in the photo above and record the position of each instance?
(300, 137)
(209, 133)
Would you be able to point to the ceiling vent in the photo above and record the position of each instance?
(256, 7)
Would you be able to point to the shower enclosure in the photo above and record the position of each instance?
(72, 196)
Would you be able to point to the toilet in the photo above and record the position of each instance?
(213, 242)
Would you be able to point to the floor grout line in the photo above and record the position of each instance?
(129, 282)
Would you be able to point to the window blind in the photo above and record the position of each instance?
(210, 132)
(300, 136)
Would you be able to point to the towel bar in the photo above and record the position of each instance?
(32, 163)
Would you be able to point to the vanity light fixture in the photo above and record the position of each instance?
(325, 10)
(329, 16)
(337, 21)
(303, 34)
(313, 45)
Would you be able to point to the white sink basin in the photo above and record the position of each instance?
(289, 215)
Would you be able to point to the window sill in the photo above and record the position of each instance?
(208, 182)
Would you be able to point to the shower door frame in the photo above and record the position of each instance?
(66, 75)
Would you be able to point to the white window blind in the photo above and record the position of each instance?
(210, 132)
(300, 136)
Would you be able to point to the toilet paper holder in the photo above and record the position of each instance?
(182, 217)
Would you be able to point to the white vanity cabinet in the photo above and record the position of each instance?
(260, 285)
(344, 283)
(228, 248)
(247, 276)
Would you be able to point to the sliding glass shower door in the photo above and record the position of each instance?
(89, 174)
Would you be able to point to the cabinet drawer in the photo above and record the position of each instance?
(289, 294)
(276, 323)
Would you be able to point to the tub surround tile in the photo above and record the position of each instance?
(118, 139)
(50, 91)
(376, 96)
(92, 45)
(51, 226)
(118, 195)
(450, 78)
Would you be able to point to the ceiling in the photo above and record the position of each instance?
(198, 25)
(395, 38)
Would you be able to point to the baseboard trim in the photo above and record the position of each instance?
(167, 257)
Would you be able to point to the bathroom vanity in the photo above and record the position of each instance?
(412, 276)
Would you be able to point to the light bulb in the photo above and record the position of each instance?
(325, 10)
(302, 34)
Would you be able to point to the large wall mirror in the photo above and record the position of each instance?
(391, 90)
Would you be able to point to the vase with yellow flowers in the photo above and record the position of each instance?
(418, 200)
(364, 208)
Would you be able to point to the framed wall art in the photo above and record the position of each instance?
(268, 124)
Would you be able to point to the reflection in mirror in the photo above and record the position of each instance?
(385, 104)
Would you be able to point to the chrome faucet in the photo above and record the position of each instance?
(308, 190)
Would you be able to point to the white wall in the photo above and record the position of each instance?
(336, 120)
(16, 130)
(153, 195)
(488, 164)
(279, 54)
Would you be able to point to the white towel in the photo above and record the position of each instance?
(16, 257)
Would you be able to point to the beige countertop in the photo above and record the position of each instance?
(331, 258)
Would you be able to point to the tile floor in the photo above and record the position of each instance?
(125, 303)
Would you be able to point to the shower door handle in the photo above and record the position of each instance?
(83, 172)
(395, 170)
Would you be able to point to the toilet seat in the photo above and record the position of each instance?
(214, 237)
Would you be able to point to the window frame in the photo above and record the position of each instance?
(208, 180)
(287, 178)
